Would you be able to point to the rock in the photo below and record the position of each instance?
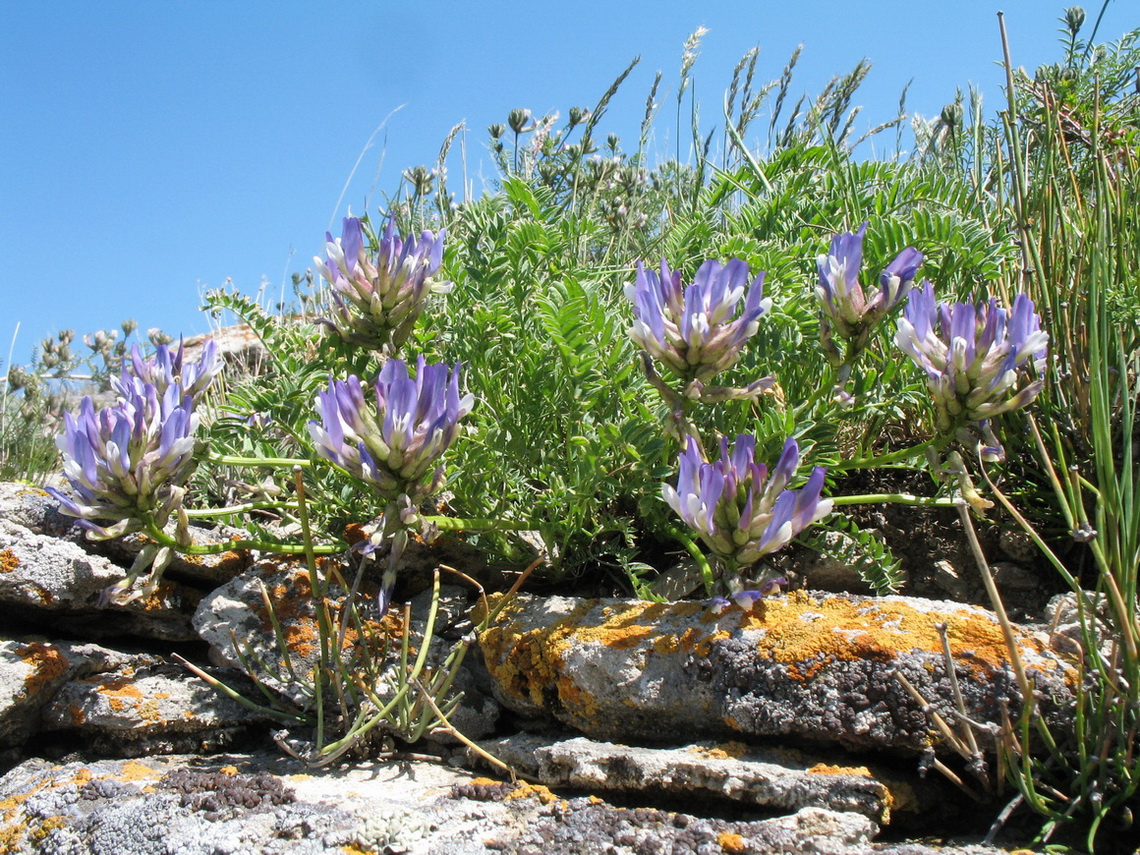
(821, 668)
(36, 510)
(1063, 619)
(585, 825)
(238, 611)
(33, 672)
(822, 572)
(258, 803)
(151, 709)
(780, 779)
(30, 674)
(48, 580)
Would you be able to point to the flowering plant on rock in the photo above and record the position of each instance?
(127, 463)
(978, 360)
(845, 310)
(380, 295)
(393, 446)
(739, 509)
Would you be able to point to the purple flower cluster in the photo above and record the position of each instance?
(737, 508)
(694, 330)
(395, 444)
(845, 309)
(127, 463)
(379, 297)
(975, 358)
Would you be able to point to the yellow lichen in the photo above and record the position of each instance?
(532, 791)
(731, 842)
(48, 664)
(828, 769)
(132, 770)
(8, 561)
(731, 750)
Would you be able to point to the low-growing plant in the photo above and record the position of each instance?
(616, 383)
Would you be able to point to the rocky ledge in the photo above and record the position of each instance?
(782, 727)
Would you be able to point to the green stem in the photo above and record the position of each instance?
(234, 460)
(164, 539)
(894, 499)
(234, 510)
(699, 557)
(478, 524)
(890, 457)
(318, 589)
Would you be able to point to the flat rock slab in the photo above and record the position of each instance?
(33, 672)
(59, 582)
(260, 803)
(732, 773)
(139, 711)
(819, 667)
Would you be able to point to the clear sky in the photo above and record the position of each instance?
(150, 150)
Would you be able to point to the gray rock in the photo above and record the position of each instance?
(258, 803)
(33, 672)
(817, 667)
(37, 511)
(782, 779)
(150, 709)
(60, 582)
(237, 612)
(30, 674)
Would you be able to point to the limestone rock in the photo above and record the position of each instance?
(238, 611)
(37, 511)
(783, 779)
(258, 803)
(155, 708)
(816, 667)
(30, 674)
(58, 582)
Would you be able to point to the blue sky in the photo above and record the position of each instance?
(151, 150)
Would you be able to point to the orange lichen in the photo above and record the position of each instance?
(8, 561)
(292, 600)
(807, 633)
(731, 842)
(732, 750)
(133, 770)
(116, 686)
(827, 769)
(48, 665)
(529, 791)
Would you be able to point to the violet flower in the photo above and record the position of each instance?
(394, 445)
(127, 463)
(694, 330)
(167, 368)
(737, 508)
(845, 309)
(976, 359)
(379, 296)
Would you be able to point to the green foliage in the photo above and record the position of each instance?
(565, 450)
(860, 549)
